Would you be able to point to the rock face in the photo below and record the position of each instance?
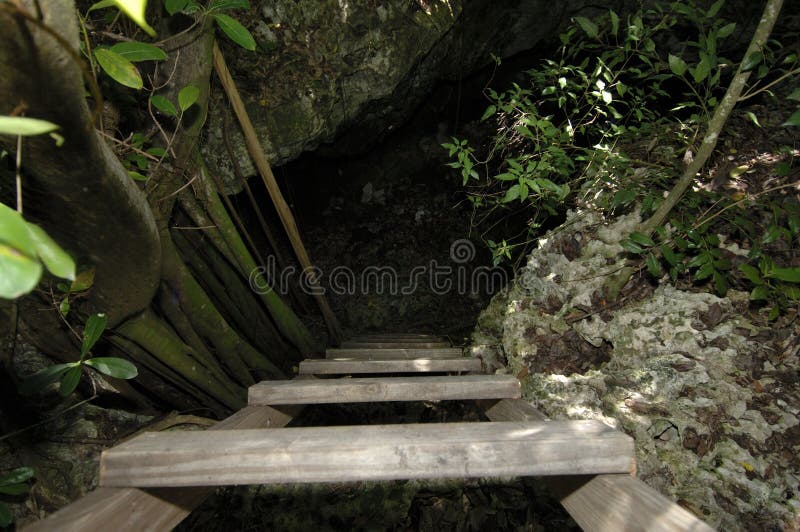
(347, 71)
(710, 398)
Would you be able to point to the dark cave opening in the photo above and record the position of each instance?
(389, 225)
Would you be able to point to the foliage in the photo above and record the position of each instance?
(70, 374)
(794, 120)
(26, 250)
(229, 25)
(565, 136)
(135, 9)
(13, 483)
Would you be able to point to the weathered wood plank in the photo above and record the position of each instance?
(392, 344)
(133, 509)
(510, 410)
(379, 389)
(599, 503)
(410, 339)
(383, 354)
(378, 452)
(395, 335)
(416, 365)
(623, 502)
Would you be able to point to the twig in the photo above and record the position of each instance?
(48, 420)
(754, 92)
(19, 174)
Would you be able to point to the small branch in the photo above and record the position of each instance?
(734, 204)
(47, 420)
(754, 92)
(19, 174)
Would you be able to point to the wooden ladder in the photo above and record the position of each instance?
(253, 447)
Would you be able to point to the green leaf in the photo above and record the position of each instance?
(100, 5)
(703, 69)
(490, 111)
(20, 274)
(17, 476)
(704, 272)
(677, 65)
(714, 9)
(57, 261)
(6, 516)
(511, 194)
(790, 275)
(791, 291)
(136, 176)
(22, 125)
(95, 326)
(70, 381)
(699, 260)
(138, 51)
(795, 95)
(14, 231)
(720, 284)
(163, 105)
(793, 120)
(653, 266)
(753, 118)
(64, 307)
(751, 273)
(631, 246)
(14, 489)
(589, 27)
(614, 22)
(623, 197)
(135, 10)
(236, 32)
(774, 312)
(118, 68)
(669, 255)
(174, 6)
(752, 61)
(114, 367)
(726, 30)
(224, 5)
(187, 97)
(760, 293)
(641, 238)
(41, 379)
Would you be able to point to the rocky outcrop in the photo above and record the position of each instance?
(351, 72)
(710, 398)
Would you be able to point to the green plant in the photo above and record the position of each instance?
(70, 374)
(229, 25)
(692, 247)
(13, 483)
(25, 248)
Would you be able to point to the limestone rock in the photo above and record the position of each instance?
(706, 394)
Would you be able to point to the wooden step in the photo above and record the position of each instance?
(408, 339)
(345, 366)
(394, 353)
(367, 390)
(394, 344)
(396, 335)
(378, 452)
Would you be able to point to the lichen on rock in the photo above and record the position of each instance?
(706, 394)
